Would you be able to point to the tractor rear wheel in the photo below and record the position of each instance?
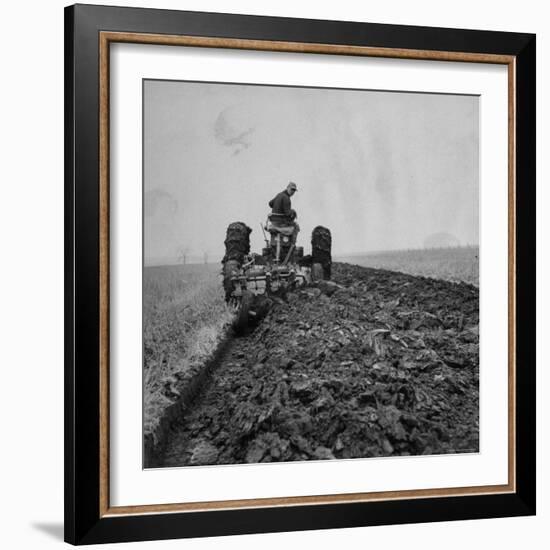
(321, 244)
(237, 246)
(237, 242)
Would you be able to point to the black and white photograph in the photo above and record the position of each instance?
(310, 277)
(275, 275)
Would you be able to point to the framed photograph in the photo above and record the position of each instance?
(300, 274)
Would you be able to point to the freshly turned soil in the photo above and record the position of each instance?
(372, 363)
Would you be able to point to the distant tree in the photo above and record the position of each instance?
(183, 252)
(205, 257)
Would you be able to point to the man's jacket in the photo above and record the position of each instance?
(281, 204)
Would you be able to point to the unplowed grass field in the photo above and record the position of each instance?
(449, 264)
(184, 319)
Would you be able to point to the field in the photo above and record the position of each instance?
(373, 363)
(184, 318)
(449, 264)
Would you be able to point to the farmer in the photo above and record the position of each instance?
(282, 215)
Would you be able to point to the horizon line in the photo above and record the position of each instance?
(169, 261)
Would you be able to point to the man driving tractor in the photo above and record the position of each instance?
(282, 215)
(280, 267)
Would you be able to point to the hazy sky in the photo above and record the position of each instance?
(382, 170)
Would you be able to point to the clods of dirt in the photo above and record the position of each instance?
(372, 363)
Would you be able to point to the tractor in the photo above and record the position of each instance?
(250, 279)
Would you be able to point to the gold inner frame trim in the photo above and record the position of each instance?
(105, 39)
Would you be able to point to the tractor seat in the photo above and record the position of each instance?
(279, 223)
(287, 230)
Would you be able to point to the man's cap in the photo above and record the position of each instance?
(292, 185)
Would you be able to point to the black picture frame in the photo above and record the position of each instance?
(84, 523)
